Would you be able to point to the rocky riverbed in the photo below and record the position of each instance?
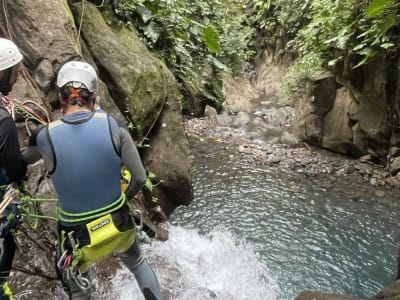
(262, 137)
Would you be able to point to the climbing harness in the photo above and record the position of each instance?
(104, 239)
(68, 217)
(69, 262)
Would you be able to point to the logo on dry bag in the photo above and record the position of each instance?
(99, 225)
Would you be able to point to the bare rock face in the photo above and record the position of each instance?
(44, 30)
(337, 134)
(137, 80)
(391, 292)
(349, 117)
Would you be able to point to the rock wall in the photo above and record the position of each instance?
(135, 85)
(353, 112)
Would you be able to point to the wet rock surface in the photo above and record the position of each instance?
(271, 144)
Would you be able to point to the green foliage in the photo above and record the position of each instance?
(149, 185)
(192, 37)
(149, 181)
(299, 75)
(360, 30)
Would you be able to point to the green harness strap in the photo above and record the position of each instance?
(81, 217)
(7, 291)
(105, 238)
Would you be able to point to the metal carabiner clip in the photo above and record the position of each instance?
(60, 263)
(140, 225)
(83, 283)
(73, 241)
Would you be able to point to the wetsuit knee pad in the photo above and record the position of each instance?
(148, 294)
(147, 281)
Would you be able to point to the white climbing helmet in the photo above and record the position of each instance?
(78, 72)
(9, 54)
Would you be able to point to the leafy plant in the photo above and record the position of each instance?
(327, 32)
(191, 37)
(149, 185)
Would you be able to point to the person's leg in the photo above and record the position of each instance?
(137, 264)
(7, 252)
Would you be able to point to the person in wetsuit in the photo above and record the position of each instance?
(12, 164)
(84, 152)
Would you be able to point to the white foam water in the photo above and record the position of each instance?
(199, 267)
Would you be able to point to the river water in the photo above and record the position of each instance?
(256, 233)
(262, 233)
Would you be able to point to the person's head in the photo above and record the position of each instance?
(77, 82)
(10, 57)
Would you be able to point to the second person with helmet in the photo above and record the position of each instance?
(84, 152)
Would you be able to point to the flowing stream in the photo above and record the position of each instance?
(262, 233)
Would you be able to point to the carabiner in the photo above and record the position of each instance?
(74, 242)
(60, 263)
(140, 226)
(82, 282)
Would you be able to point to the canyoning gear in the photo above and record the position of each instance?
(92, 241)
(99, 171)
(11, 159)
(76, 96)
(18, 206)
(9, 54)
(82, 245)
(67, 217)
(9, 221)
(123, 144)
(7, 252)
(26, 110)
(5, 291)
(78, 71)
(78, 286)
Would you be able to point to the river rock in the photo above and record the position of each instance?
(288, 138)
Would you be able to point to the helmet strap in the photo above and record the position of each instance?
(76, 96)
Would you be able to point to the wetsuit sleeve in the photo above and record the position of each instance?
(130, 158)
(32, 154)
(10, 154)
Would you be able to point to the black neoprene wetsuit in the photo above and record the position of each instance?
(13, 168)
(10, 156)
